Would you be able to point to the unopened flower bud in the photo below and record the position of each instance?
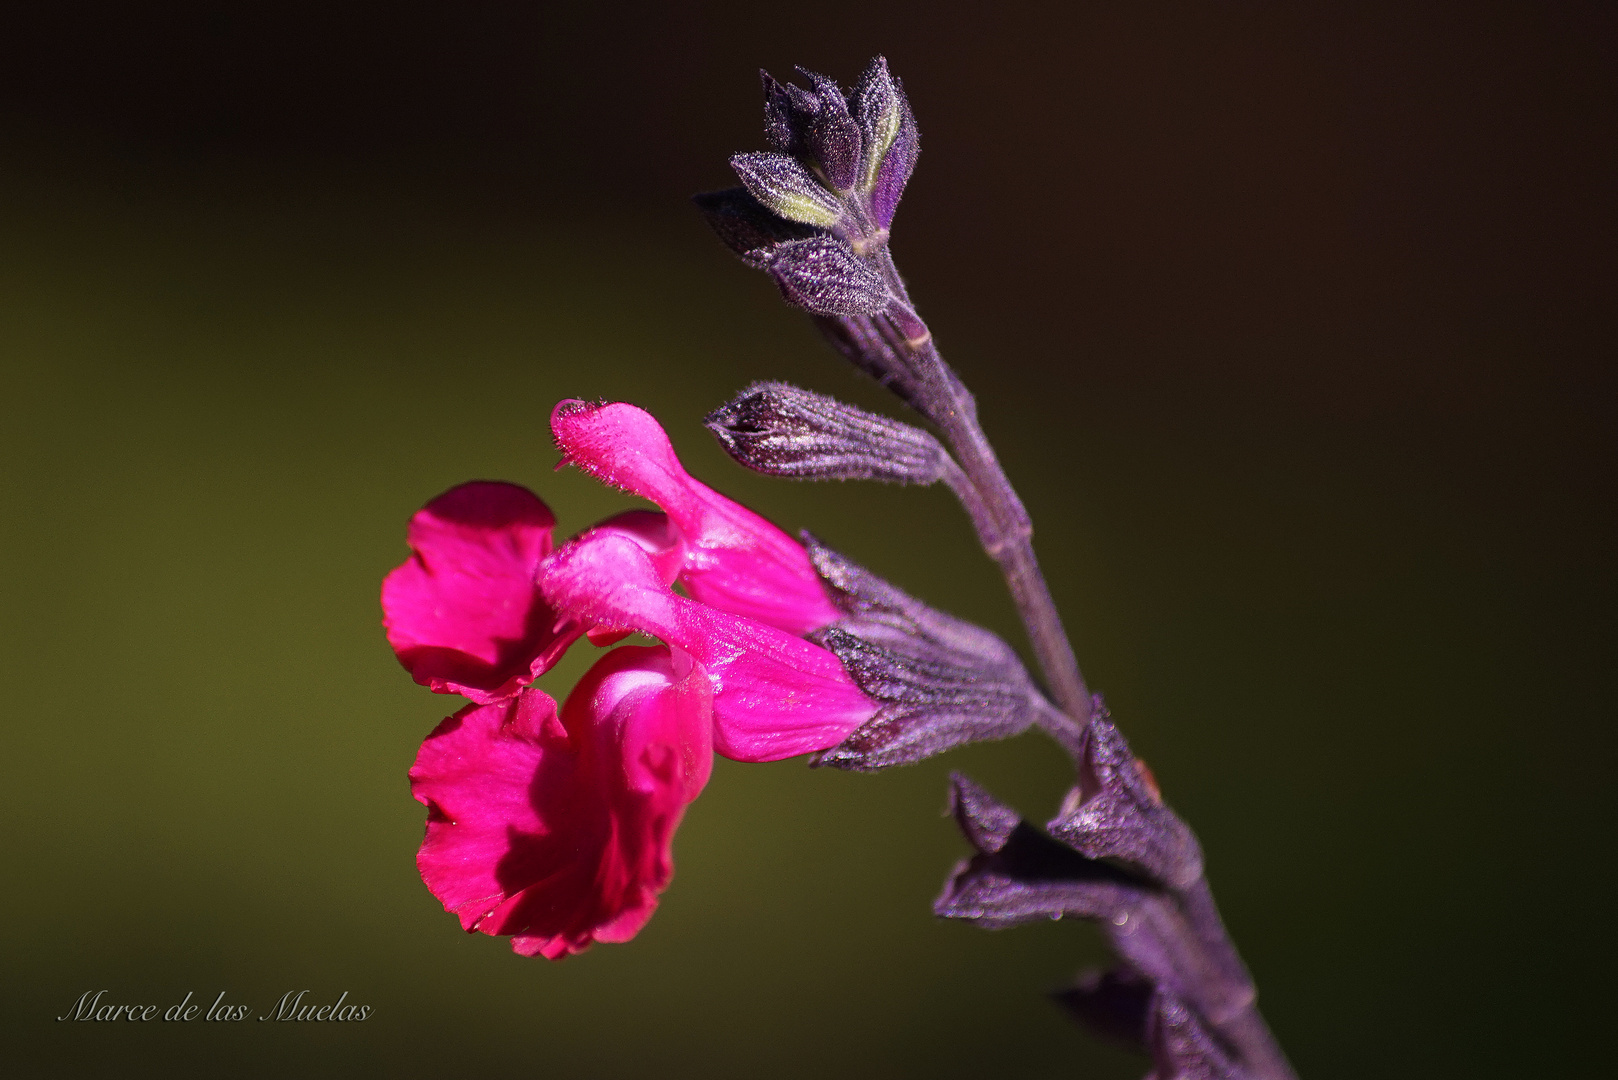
(787, 109)
(815, 126)
(890, 137)
(834, 137)
(782, 430)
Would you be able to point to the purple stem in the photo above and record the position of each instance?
(996, 511)
(1197, 937)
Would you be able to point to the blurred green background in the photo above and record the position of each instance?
(1295, 329)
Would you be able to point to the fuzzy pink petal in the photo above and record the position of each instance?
(463, 613)
(735, 560)
(559, 832)
(474, 774)
(775, 695)
(655, 534)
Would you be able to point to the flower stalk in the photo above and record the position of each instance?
(817, 217)
(1184, 921)
(1002, 523)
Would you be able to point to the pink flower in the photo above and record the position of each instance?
(557, 829)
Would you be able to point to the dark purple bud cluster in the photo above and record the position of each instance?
(863, 143)
(815, 212)
(941, 682)
(781, 430)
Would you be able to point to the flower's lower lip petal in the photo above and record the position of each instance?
(473, 773)
(463, 613)
(558, 830)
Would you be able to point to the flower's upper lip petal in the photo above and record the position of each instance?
(622, 445)
(735, 560)
(463, 614)
(775, 695)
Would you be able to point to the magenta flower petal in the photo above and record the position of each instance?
(463, 613)
(735, 560)
(775, 695)
(558, 831)
(655, 534)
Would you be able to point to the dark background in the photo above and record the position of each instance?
(1294, 325)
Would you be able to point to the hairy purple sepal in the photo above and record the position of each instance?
(892, 142)
(834, 137)
(748, 227)
(869, 601)
(813, 269)
(939, 682)
(1023, 875)
(1115, 812)
(927, 702)
(785, 187)
(783, 430)
(986, 822)
(824, 276)
(1020, 875)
